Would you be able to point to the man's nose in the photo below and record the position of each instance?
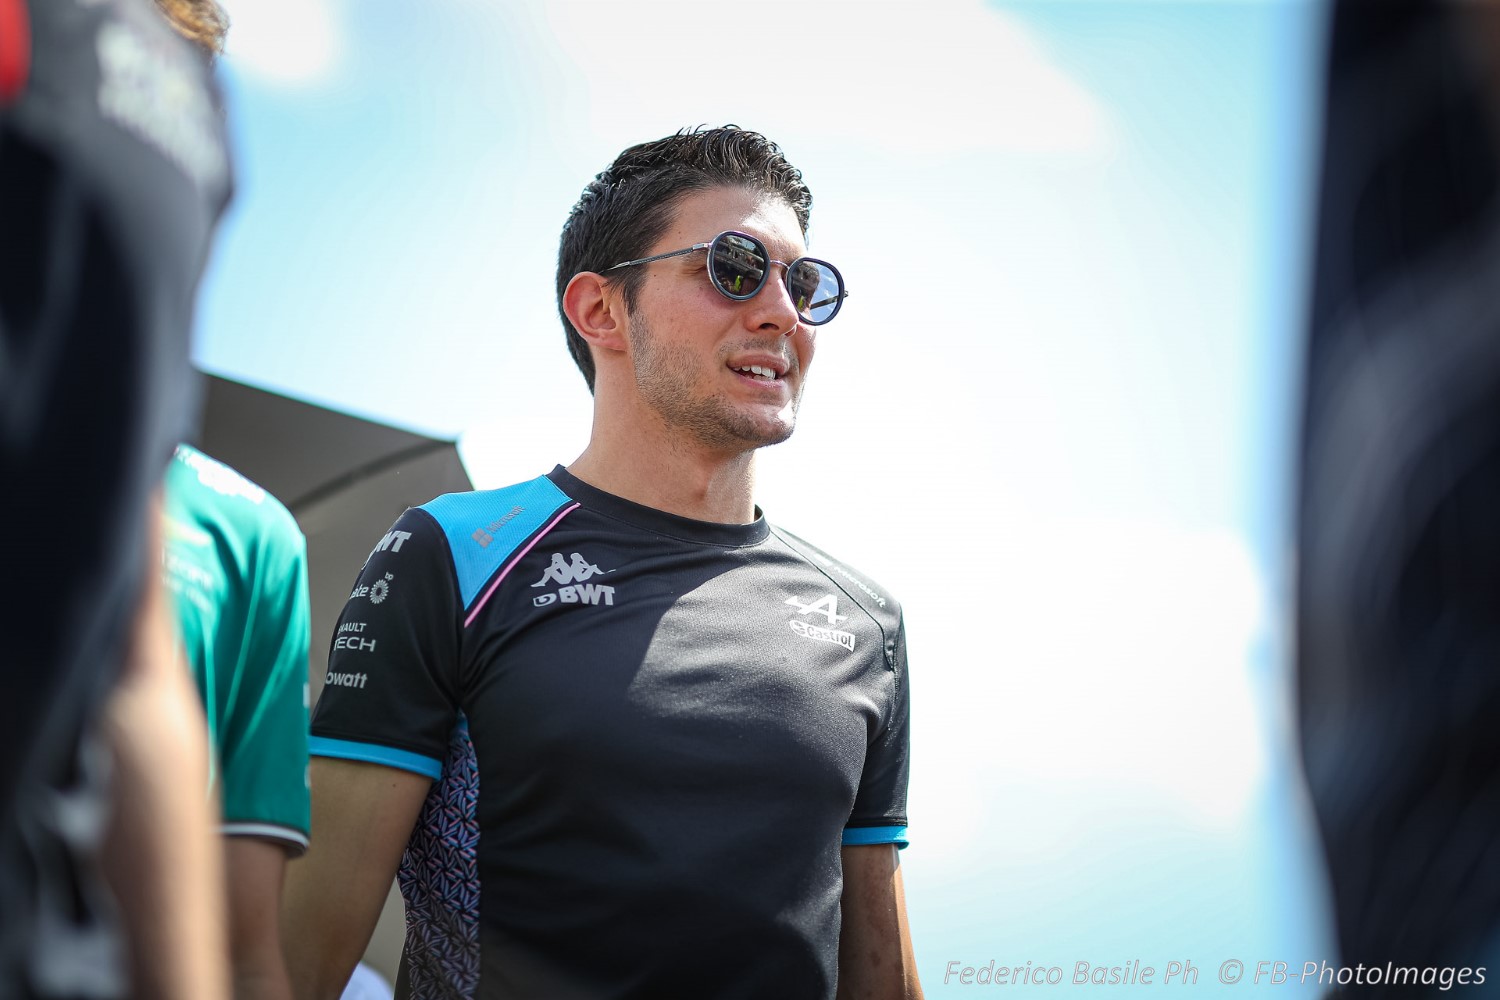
(773, 307)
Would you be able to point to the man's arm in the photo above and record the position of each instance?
(362, 817)
(256, 870)
(263, 773)
(162, 858)
(875, 951)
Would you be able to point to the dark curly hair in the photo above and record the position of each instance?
(625, 209)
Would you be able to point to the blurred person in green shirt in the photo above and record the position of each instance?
(236, 565)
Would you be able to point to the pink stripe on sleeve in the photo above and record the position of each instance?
(512, 564)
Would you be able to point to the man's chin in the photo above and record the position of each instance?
(730, 429)
(784, 434)
(748, 437)
(779, 426)
(766, 431)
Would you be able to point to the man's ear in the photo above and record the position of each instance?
(596, 308)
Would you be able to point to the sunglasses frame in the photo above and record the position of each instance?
(786, 272)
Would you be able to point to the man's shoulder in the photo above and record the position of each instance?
(860, 587)
(202, 491)
(500, 506)
(484, 528)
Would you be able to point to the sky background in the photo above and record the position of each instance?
(1054, 417)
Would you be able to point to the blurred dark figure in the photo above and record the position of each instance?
(1399, 591)
(113, 174)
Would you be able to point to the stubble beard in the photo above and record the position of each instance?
(665, 376)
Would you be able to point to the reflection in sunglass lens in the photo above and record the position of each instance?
(739, 266)
(816, 288)
(803, 280)
(806, 281)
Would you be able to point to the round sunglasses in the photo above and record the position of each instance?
(738, 264)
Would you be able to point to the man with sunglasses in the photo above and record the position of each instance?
(624, 737)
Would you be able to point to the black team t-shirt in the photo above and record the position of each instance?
(650, 737)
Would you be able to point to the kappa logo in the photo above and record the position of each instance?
(571, 573)
(577, 571)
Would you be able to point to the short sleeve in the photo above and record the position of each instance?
(879, 814)
(264, 769)
(390, 694)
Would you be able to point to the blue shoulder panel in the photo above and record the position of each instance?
(484, 527)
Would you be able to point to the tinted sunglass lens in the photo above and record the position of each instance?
(816, 289)
(738, 265)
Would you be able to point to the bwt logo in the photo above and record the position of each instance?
(571, 573)
(581, 593)
(392, 541)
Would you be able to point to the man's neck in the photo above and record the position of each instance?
(687, 481)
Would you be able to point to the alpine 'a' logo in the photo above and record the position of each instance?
(577, 571)
(828, 607)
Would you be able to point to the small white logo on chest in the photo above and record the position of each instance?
(845, 639)
(571, 574)
(561, 571)
(827, 605)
